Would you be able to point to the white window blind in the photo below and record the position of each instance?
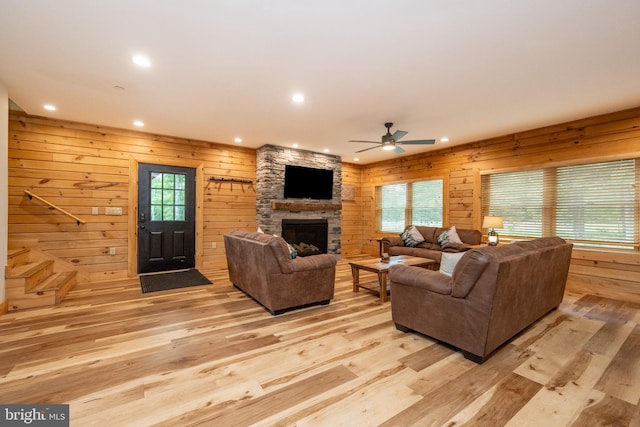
(418, 203)
(426, 203)
(596, 203)
(593, 204)
(518, 198)
(391, 201)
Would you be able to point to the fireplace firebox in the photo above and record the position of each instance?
(307, 236)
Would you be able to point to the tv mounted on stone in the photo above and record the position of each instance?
(302, 182)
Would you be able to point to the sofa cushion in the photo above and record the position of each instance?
(449, 236)
(429, 233)
(448, 262)
(411, 237)
(420, 278)
(427, 245)
(467, 272)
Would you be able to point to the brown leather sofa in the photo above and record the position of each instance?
(430, 248)
(494, 293)
(261, 266)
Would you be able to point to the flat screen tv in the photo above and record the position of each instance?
(308, 183)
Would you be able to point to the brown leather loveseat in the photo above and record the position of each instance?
(261, 266)
(494, 293)
(430, 247)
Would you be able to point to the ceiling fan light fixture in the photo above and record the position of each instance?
(141, 61)
(387, 147)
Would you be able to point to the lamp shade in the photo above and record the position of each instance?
(492, 222)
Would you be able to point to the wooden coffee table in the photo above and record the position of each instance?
(374, 265)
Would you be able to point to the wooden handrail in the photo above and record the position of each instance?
(31, 196)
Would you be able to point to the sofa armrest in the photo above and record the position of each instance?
(418, 277)
(314, 262)
(390, 241)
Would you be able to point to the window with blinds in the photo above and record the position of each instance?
(392, 201)
(417, 203)
(593, 204)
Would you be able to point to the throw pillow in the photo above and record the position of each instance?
(448, 262)
(411, 237)
(450, 235)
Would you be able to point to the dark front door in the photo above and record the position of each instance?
(166, 218)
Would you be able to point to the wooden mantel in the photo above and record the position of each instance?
(305, 206)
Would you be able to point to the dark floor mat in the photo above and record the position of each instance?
(172, 280)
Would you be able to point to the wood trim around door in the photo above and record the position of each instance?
(132, 235)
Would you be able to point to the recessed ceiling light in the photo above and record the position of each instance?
(237, 140)
(444, 139)
(326, 150)
(355, 159)
(50, 107)
(138, 123)
(298, 98)
(141, 61)
(294, 145)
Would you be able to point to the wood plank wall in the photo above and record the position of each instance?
(352, 213)
(606, 137)
(78, 166)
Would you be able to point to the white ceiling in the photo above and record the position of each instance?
(464, 69)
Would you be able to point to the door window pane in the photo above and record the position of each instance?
(156, 213)
(156, 180)
(167, 195)
(179, 213)
(180, 182)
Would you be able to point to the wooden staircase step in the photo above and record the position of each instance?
(21, 302)
(60, 283)
(28, 269)
(54, 282)
(16, 257)
(34, 283)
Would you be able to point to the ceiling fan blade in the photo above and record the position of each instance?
(399, 134)
(419, 142)
(398, 150)
(367, 149)
(370, 142)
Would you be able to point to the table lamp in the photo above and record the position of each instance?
(492, 222)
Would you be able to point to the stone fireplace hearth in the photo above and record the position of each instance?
(272, 207)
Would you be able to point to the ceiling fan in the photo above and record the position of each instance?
(390, 142)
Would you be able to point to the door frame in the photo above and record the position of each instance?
(132, 234)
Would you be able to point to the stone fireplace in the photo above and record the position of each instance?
(271, 206)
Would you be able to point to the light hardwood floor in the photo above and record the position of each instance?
(212, 356)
